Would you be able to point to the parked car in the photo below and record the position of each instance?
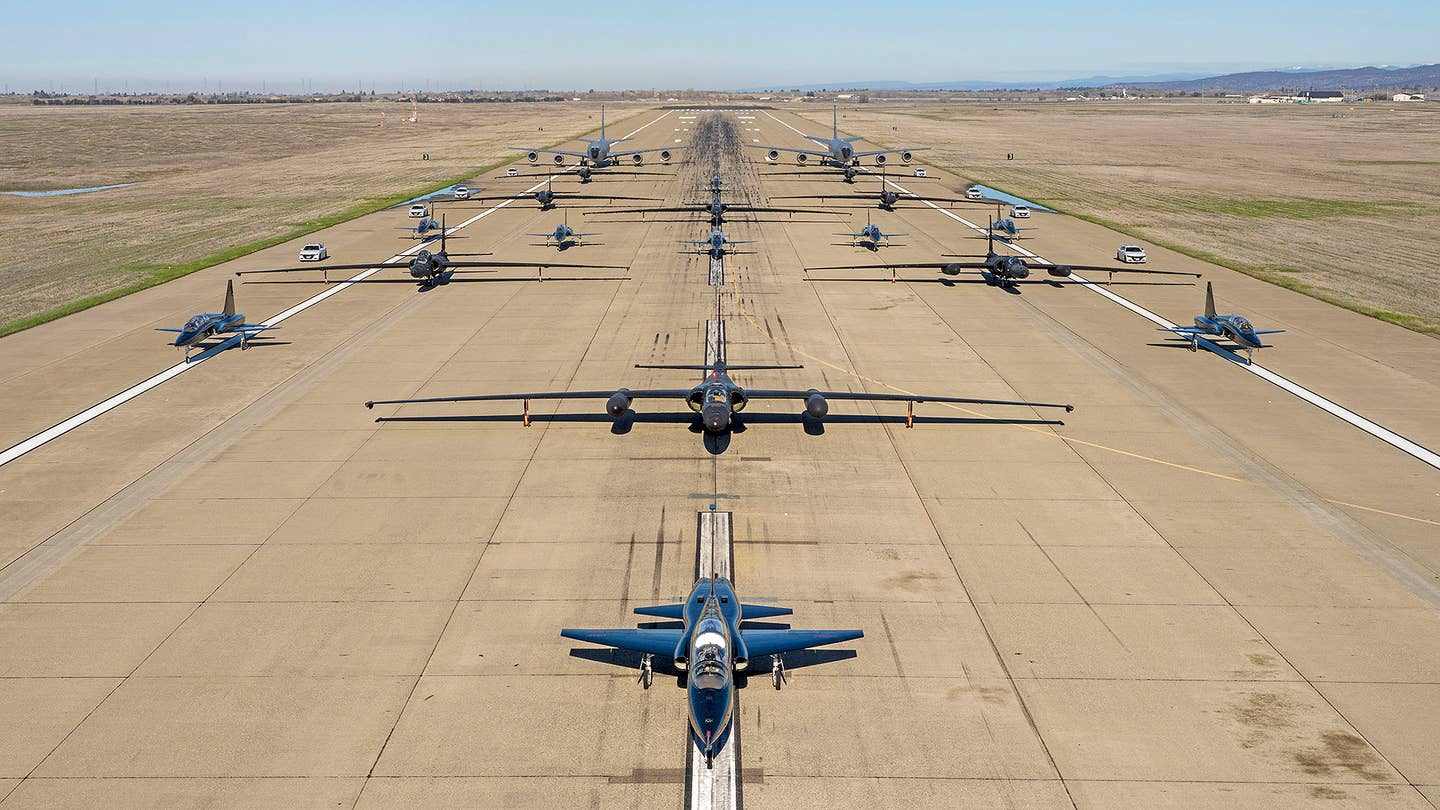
(462, 192)
(512, 172)
(919, 172)
(974, 193)
(419, 210)
(1020, 211)
(1130, 254)
(314, 252)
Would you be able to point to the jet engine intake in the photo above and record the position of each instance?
(815, 405)
(879, 160)
(618, 403)
(773, 155)
(532, 156)
(559, 160)
(638, 159)
(802, 158)
(905, 157)
(664, 155)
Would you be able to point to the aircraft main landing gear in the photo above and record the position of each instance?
(647, 671)
(778, 677)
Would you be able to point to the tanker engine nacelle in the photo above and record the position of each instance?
(637, 158)
(879, 160)
(559, 160)
(532, 156)
(802, 158)
(664, 155)
(905, 157)
(773, 155)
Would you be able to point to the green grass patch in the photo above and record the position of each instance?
(153, 274)
(1273, 274)
(1391, 162)
(1301, 208)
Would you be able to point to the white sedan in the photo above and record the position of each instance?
(1130, 254)
(314, 252)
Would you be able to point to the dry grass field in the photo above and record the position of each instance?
(1339, 201)
(213, 180)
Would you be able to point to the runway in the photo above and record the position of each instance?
(244, 588)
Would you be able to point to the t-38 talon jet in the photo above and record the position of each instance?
(713, 646)
(870, 236)
(213, 324)
(1234, 327)
(563, 236)
(1001, 270)
(836, 151)
(599, 152)
(717, 244)
(430, 268)
(717, 398)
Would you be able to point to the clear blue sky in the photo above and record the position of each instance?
(721, 45)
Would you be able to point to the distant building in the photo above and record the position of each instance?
(1408, 97)
(1319, 95)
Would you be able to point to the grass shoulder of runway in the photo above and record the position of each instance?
(1340, 206)
(99, 248)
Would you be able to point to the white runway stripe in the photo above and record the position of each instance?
(1378, 431)
(60, 429)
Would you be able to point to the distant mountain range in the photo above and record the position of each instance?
(1419, 77)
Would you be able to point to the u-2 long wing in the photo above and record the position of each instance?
(864, 395)
(660, 641)
(774, 642)
(633, 393)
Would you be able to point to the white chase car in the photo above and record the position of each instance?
(512, 172)
(419, 210)
(1130, 254)
(919, 172)
(1020, 211)
(974, 193)
(462, 192)
(314, 252)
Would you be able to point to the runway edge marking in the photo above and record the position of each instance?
(1390, 437)
(104, 406)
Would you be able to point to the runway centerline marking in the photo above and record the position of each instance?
(61, 428)
(1390, 437)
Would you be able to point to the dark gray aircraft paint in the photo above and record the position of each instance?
(712, 647)
(1002, 270)
(717, 398)
(428, 268)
